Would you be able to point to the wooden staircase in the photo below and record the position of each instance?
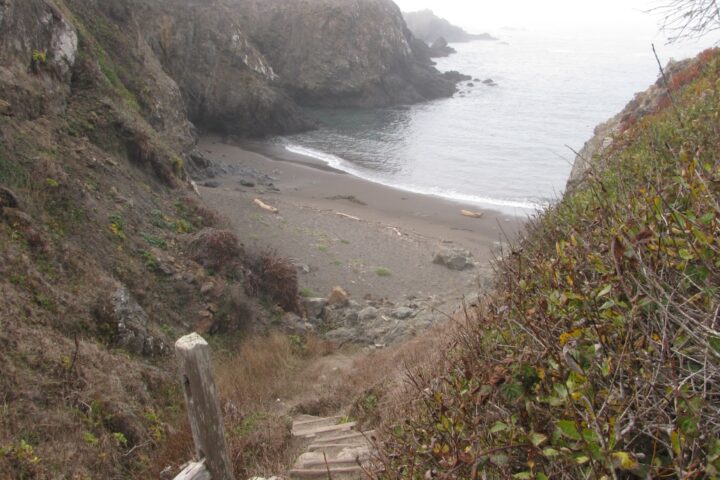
(335, 451)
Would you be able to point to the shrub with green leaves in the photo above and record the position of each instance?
(598, 353)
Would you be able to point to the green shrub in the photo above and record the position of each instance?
(39, 57)
(308, 292)
(117, 226)
(154, 241)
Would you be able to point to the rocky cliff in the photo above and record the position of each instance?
(343, 52)
(428, 27)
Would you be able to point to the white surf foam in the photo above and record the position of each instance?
(509, 206)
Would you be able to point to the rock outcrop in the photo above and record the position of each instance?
(226, 81)
(186, 61)
(428, 27)
(343, 53)
(440, 48)
(38, 47)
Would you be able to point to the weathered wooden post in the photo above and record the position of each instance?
(193, 355)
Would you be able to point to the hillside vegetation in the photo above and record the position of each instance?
(598, 353)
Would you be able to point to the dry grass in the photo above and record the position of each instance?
(250, 381)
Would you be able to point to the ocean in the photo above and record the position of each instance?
(507, 147)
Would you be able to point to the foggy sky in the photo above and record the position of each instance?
(492, 15)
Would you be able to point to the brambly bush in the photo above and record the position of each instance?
(598, 353)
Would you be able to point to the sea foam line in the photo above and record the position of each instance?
(343, 165)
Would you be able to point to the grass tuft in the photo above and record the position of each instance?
(383, 272)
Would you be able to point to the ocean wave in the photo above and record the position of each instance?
(525, 206)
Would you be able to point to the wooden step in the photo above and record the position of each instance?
(323, 472)
(299, 423)
(344, 437)
(332, 428)
(322, 463)
(316, 446)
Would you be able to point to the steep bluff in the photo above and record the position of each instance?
(194, 51)
(343, 53)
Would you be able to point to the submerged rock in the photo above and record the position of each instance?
(457, 77)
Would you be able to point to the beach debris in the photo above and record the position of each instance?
(398, 232)
(349, 198)
(472, 214)
(195, 188)
(247, 183)
(265, 206)
(345, 215)
(454, 258)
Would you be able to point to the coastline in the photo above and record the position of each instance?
(345, 229)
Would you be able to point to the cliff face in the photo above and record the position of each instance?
(226, 81)
(194, 52)
(342, 52)
(38, 47)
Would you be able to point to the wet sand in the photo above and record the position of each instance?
(351, 232)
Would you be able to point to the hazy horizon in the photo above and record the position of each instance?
(624, 18)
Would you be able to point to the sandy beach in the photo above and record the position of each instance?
(374, 241)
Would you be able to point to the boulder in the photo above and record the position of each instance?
(367, 313)
(126, 324)
(454, 258)
(338, 296)
(314, 307)
(342, 335)
(402, 313)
